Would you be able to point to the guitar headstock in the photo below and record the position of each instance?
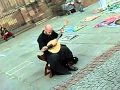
(66, 22)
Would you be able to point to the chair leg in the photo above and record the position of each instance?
(51, 74)
(48, 72)
(46, 69)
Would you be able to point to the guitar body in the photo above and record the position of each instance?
(54, 49)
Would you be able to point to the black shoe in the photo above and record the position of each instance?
(72, 68)
(75, 60)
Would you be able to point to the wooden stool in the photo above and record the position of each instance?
(47, 66)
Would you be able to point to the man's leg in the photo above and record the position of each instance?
(66, 55)
(10, 34)
(54, 61)
(81, 8)
(67, 58)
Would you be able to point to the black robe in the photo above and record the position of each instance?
(57, 61)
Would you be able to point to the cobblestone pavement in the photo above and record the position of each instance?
(102, 74)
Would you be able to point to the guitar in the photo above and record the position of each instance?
(56, 48)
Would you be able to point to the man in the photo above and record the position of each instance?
(79, 6)
(59, 62)
(5, 33)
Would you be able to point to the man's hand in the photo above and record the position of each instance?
(44, 48)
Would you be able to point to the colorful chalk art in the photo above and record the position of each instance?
(105, 3)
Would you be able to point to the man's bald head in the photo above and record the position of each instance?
(48, 29)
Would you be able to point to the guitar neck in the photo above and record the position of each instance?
(59, 36)
(60, 33)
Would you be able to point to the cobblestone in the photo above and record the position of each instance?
(104, 77)
(103, 72)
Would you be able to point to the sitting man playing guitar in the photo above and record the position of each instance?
(58, 56)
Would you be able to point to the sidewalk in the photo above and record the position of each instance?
(19, 63)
